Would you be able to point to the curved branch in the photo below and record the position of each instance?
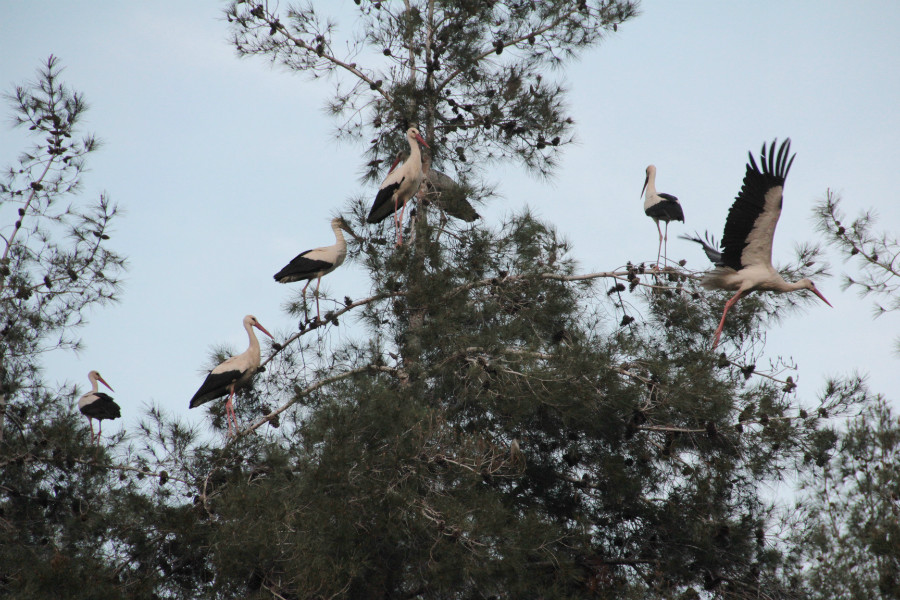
(512, 42)
(311, 388)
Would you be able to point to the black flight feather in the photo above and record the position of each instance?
(384, 196)
(215, 386)
(709, 247)
(751, 200)
(301, 268)
(102, 408)
(667, 210)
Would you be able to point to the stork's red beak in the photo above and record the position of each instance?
(394, 166)
(263, 329)
(100, 379)
(819, 294)
(422, 141)
(643, 189)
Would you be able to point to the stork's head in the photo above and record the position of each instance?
(251, 321)
(809, 285)
(651, 173)
(413, 134)
(95, 376)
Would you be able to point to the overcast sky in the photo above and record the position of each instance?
(226, 168)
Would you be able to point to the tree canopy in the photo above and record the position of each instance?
(495, 423)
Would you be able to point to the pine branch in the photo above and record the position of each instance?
(300, 394)
(499, 46)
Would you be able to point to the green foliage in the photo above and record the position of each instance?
(874, 254)
(472, 73)
(55, 259)
(845, 533)
(56, 489)
(491, 423)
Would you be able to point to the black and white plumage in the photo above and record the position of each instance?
(444, 192)
(234, 373)
(660, 207)
(744, 264)
(98, 405)
(315, 263)
(710, 248)
(400, 185)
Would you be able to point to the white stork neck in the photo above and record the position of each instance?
(415, 154)
(650, 187)
(793, 286)
(338, 235)
(94, 385)
(254, 343)
(650, 197)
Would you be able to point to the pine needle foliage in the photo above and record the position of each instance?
(55, 264)
(873, 254)
(844, 528)
(489, 422)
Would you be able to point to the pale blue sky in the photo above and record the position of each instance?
(226, 168)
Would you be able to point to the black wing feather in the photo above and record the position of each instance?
(102, 408)
(301, 268)
(709, 246)
(215, 386)
(384, 196)
(751, 200)
(667, 210)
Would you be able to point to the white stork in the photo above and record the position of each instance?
(660, 207)
(400, 185)
(98, 405)
(236, 372)
(445, 193)
(744, 264)
(315, 263)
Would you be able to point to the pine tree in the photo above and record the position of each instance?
(495, 423)
(55, 263)
(489, 422)
(844, 529)
(873, 253)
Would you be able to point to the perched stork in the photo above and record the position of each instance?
(445, 193)
(660, 207)
(449, 196)
(315, 263)
(744, 264)
(236, 372)
(98, 405)
(400, 185)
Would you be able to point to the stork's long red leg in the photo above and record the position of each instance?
(658, 250)
(229, 411)
(318, 314)
(400, 224)
(666, 246)
(305, 313)
(397, 221)
(728, 305)
(91, 422)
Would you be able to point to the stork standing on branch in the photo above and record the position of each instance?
(660, 207)
(400, 185)
(98, 405)
(315, 263)
(744, 264)
(236, 372)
